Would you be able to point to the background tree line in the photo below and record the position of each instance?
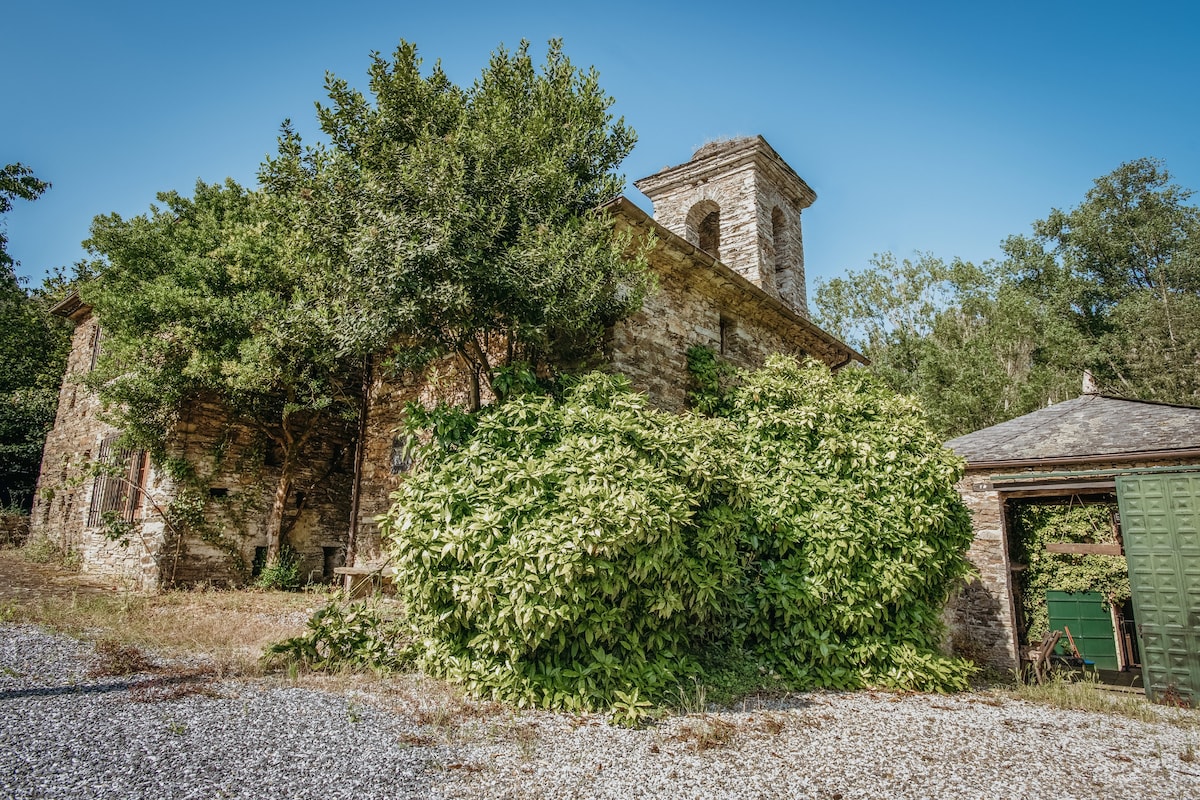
(33, 355)
(1111, 286)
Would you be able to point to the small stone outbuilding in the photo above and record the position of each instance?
(1143, 458)
(729, 261)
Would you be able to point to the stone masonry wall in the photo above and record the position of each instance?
(236, 493)
(64, 493)
(699, 302)
(980, 616)
(237, 475)
(382, 469)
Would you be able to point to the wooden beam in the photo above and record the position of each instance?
(1084, 548)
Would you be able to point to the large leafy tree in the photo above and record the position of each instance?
(1112, 287)
(206, 298)
(464, 219)
(436, 221)
(32, 358)
(1123, 268)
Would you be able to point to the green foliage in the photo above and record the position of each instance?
(1111, 286)
(710, 376)
(855, 529)
(280, 573)
(570, 550)
(567, 550)
(1037, 526)
(357, 635)
(461, 221)
(33, 350)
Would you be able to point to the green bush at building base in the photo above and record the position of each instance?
(559, 552)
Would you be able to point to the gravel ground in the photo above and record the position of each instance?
(173, 733)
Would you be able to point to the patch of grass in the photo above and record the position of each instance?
(1084, 693)
(228, 629)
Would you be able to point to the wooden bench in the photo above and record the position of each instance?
(360, 576)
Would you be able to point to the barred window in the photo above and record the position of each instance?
(117, 491)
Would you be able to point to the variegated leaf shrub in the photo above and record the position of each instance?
(561, 551)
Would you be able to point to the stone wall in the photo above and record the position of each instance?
(234, 487)
(64, 493)
(701, 302)
(236, 472)
(382, 466)
(980, 616)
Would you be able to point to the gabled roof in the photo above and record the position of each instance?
(1086, 427)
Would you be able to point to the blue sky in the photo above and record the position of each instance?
(931, 126)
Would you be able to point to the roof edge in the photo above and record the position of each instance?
(634, 213)
(1097, 458)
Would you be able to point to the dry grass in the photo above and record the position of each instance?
(1087, 695)
(228, 629)
(705, 732)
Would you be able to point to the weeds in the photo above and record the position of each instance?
(355, 636)
(1085, 693)
(705, 732)
(283, 574)
(117, 658)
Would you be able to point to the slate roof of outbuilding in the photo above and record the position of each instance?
(1091, 425)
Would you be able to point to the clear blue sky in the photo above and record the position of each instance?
(932, 126)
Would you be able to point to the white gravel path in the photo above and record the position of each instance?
(66, 735)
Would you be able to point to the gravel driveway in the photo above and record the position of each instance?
(67, 733)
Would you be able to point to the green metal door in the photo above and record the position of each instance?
(1160, 524)
(1090, 623)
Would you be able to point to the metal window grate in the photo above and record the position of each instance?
(119, 491)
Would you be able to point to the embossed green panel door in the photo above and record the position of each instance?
(1160, 524)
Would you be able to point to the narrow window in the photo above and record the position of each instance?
(710, 234)
(259, 562)
(726, 327)
(97, 343)
(117, 491)
(703, 227)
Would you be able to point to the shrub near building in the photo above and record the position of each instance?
(559, 552)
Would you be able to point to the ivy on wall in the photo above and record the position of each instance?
(1035, 527)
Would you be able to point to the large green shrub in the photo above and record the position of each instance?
(854, 529)
(560, 552)
(568, 550)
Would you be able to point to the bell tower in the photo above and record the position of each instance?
(740, 202)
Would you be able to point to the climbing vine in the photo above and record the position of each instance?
(1035, 527)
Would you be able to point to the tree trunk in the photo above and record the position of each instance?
(275, 516)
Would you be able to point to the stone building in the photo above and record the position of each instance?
(1142, 460)
(729, 261)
